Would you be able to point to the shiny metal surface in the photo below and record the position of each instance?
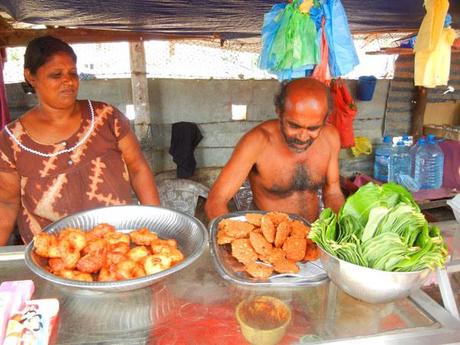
(311, 273)
(196, 306)
(190, 234)
(370, 285)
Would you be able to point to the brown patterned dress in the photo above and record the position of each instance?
(92, 175)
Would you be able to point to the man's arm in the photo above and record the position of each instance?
(332, 193)
(9, 204)
(140, 174)
(235, 172)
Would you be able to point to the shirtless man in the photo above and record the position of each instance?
(286, 160)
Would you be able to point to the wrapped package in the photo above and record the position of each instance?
(34, 324)
(13, 296)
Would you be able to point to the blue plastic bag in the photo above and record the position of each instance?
(269, 30)
(342, 53)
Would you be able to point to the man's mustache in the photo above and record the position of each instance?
(298, 142)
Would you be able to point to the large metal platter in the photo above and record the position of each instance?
(190, 234)
(311, 272)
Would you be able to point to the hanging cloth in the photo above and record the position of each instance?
(185, 137)
(4, 112)
(433, 46)
(343, 112)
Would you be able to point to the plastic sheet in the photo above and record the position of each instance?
(229, 19)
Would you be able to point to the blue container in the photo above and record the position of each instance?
(366, 87)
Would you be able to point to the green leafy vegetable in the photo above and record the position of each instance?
(381, 227)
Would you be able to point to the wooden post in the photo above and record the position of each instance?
(418, 112)
(140, 92)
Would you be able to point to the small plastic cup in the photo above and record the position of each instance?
(270, 333)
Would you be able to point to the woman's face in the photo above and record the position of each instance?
(56, 82)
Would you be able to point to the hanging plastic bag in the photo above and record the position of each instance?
(362, 146)
(343, 112)
(270, 27)
(321, 71)
(342, 53)
(289, 45)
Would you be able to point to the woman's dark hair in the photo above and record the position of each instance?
(41, 49)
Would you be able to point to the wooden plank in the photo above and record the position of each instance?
(140, 91)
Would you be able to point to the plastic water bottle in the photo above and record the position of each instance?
(382, 159)
(413, 153)
(429, 164)
(399, 163)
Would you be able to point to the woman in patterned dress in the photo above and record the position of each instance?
(65, 155)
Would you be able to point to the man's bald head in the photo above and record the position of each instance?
(306, 88)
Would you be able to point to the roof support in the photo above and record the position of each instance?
(140, 91)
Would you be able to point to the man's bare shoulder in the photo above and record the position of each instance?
(263, 133)
(330, 134)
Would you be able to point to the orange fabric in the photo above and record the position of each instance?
(322, 72)
(343, 112)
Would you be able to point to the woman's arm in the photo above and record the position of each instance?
(9, 204)
(140, 174)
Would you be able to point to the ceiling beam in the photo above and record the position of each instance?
(10, 37)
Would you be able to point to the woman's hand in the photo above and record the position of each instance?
(9, 204)
(140, 174)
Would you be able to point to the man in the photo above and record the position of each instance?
(286, 160)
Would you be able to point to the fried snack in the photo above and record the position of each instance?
(268, 228)
(105, 254)
(92, 262)
(312, 252)
(276, 255)
(254, 218)
(107, 274)
(119, 247)
(286, 266)
(156, 263)
(236, 228)
(282, 232)
(55, 265)
(117, 237)
(223, 237)
(75, 237)
(69, 254)
(128, 269)
(260, 244)
(277, 217)
(95, 245)
(138, 253)
(143, 237)
(243, 251)
(258, 270)
(99, 231)
(299, 229)
(46, 245)
(295, 248)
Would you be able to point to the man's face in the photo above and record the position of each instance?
(302, 121)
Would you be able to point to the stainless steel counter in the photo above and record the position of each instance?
(197, 307)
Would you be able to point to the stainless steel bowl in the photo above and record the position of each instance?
(191, 236)
(370, 285)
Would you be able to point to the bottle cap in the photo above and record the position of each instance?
(387, 139)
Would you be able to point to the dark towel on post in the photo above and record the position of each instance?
(185, 137)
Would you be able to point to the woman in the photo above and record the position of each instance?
(65, 155)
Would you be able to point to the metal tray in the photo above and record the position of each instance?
(191, 236)
(311, 272)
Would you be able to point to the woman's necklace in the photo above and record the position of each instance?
(57, 153)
